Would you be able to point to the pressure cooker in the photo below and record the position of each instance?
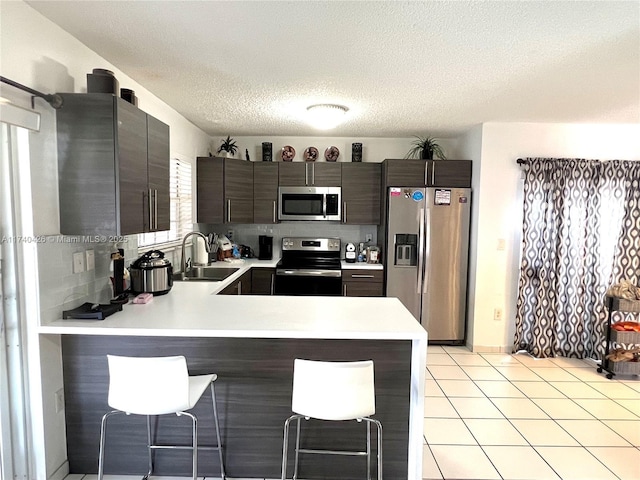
(151, 273)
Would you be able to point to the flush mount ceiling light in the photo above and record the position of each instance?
(325, 116)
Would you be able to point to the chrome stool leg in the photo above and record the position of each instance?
(215, 419)
(368, 451)
(379, 453)
(295, 464)
(285, 444)
(103, 435)
(150, 450)
(195, 447)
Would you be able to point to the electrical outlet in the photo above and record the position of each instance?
(230, 235)
(502, 244)
(59, 400)
(78, 262)
(91, 260)
(368, 237)
(497, 314)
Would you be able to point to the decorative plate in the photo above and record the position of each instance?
(311, 154)
(288, 153)
(331, 154)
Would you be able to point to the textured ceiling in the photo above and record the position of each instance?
(403, 68)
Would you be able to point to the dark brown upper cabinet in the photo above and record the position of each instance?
(427, 173)
(113, 167)
(265, 192)
(311, 174)
(361, 186)
(224, 190)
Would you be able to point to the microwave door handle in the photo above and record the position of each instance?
(324, 206)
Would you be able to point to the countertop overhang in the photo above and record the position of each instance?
(192, 309)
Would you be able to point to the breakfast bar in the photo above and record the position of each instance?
(250, 342)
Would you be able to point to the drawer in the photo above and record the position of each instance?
(363, 275)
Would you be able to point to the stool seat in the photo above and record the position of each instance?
(154, 386)
(332, 391)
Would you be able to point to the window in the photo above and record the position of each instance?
(180, 196)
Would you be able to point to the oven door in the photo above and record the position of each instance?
(308, 282)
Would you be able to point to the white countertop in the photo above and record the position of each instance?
(191, 309)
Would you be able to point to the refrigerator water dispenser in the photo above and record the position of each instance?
(406, 249)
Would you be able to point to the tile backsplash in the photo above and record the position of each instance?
(248, 234)
(60, 288)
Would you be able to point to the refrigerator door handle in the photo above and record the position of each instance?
(427, 241)
(421, 227)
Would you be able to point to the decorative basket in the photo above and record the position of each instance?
(626, 337)
(624, 305)
(627, 368)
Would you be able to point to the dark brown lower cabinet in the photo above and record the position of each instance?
(362, 283)
(253, 391)
(262, 281)
(242, 286)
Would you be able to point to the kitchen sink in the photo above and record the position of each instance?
(206, 274)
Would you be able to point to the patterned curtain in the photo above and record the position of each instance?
(581, 234)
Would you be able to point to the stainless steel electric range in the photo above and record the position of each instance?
(309, 266)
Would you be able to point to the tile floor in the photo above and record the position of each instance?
(511, 417)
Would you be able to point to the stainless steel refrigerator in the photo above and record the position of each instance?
(427, 241)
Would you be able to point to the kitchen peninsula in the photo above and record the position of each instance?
(250, 342)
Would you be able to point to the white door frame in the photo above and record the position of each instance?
(22, 454)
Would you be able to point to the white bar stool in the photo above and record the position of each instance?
(334, 391)
(157, 386)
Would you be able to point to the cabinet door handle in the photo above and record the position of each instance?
(433, 173)
(228, 210)
(239, 288)
(355, 275)
(426, 172)
(306, 174)
(344, 289)
(273, 280)
(344, 212)
(274, 212)
(150, 210)
(155, 209)
(313, 173)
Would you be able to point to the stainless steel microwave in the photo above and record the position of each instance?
(309, 203)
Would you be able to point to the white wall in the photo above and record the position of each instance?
(471, 149)
(498, 204)
(37, 53)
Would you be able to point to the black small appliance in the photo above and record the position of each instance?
(267, 152)
(265, 247)
(102, 81)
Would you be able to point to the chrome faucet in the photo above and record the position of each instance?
(183, 263)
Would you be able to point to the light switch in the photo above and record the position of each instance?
(91, 260)
(78, 262)
(502, 243)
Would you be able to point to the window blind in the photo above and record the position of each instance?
(180, 197)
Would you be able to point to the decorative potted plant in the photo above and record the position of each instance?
(228, 146)
(426, 148)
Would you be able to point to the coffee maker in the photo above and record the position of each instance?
(265, 247)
